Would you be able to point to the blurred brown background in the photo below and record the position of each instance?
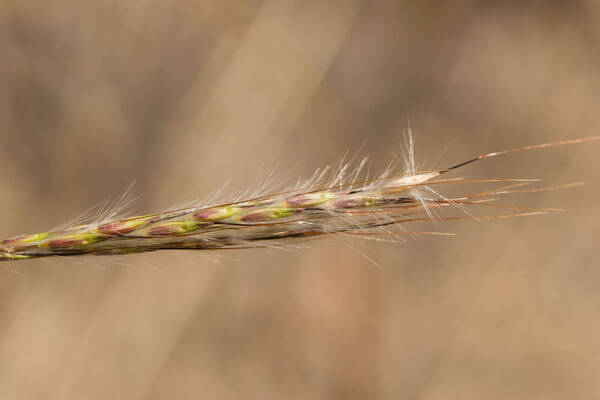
(183, 95)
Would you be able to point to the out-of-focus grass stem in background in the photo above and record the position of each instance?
(182, 96)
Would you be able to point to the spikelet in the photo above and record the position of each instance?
(344, 205)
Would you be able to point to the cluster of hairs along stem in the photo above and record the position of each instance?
(344, 205)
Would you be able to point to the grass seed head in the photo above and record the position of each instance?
(371, 208)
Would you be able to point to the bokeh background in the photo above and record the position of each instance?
(182, 96)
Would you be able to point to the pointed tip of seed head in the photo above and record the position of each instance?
(410, 180)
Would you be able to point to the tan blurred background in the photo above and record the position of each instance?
(182, 96)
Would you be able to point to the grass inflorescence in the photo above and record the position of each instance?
(344, 204)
